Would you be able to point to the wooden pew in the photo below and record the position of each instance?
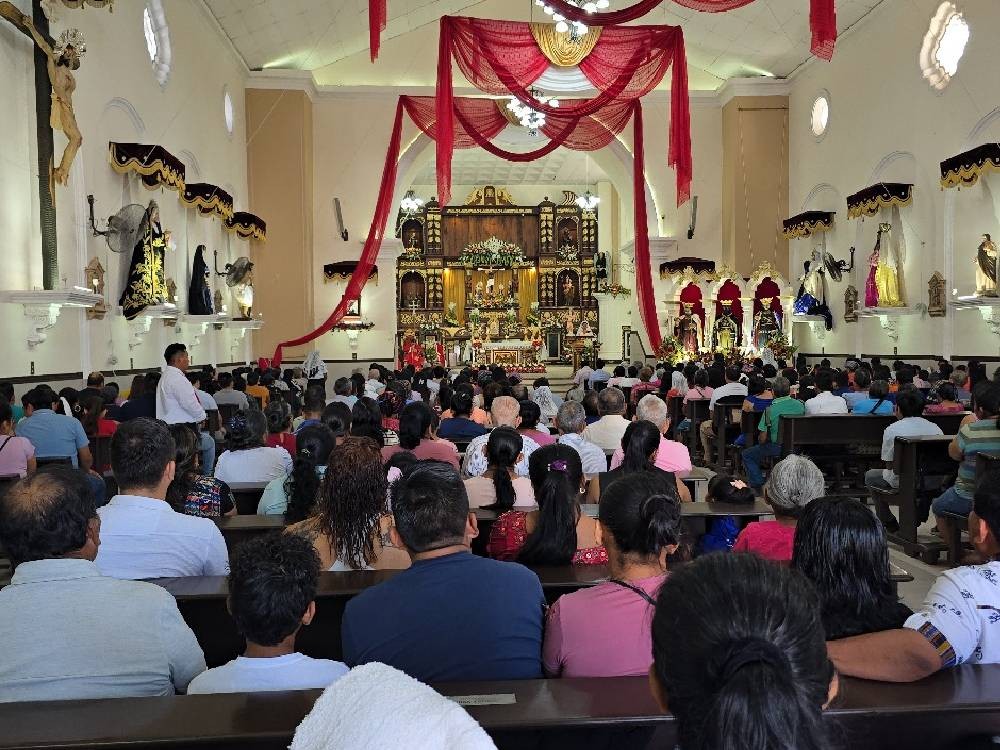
(237, 529)
(986, 462)
(798, 433)
(727, 417)
(247, 496)
(697, 412)
(920, 463)
(955, 708)
(202, 602)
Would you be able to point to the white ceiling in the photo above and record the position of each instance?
(474, 166)
(764, 37)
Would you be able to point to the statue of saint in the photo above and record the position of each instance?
(62, 60)
(568, 291)
(882, 284)
(986, 268)
(726, 331)
(811, 299)
(688, 329)
(146, 285)
(766, 325)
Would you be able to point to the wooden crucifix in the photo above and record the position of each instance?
(54, 87)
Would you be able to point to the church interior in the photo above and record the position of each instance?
(547, 203)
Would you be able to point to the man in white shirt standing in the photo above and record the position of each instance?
(141, 535)
(271, 590)
(607, 432)
(958, 622)
(572, 421)
(68, 631)
(177, 401)
(824, 402)
(732, 387)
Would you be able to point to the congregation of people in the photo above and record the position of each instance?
(388, 471)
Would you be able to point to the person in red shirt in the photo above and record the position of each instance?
(794, 482)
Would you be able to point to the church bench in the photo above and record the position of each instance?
(237, 529)
(953, 708)
(202, 602)
(921, 463)
(247, 496)
(727, 418)
(986, 462)
(697, 411)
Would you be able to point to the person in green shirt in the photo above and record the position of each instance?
(768, 442)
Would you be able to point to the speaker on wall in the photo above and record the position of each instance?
(694, 217)
(340, 219)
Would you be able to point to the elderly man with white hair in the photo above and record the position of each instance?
(505, 412)
(671, 455)
(795, 481)
(572, 421)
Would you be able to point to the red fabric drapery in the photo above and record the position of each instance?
(502, 58)
(822, 18)
(473, 123)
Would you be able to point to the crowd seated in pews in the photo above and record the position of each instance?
(371, 481)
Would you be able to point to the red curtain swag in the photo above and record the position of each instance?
(503, 58)
(475, 122)
(822, 18)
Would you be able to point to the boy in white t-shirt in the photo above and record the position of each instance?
(959, 622)
(272, 584)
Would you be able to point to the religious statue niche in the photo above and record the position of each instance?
(882, 285)
(412, 291)
(94, 275)
(688, 329)
(767, 314)
(199, 292)
(986, 268)
(491, 294)
(412, 236)
(851, 304)
(568, 289)
(936, 296)
(569, 239)
(812, 296)
(726, 331)
(146, 285)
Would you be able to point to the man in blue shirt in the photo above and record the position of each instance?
(452, 615)
(59, 436)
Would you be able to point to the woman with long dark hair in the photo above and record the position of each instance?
(739, 655)
(531, 415)
(841, 547)
(603, 631)
(500, 489)
(366, 420)
(295, 494)
(416, 435)
(191, 492)
(279, 426)
(248, 459)
(559, 532)
(640, 445)
(93, 417)
(349, 525)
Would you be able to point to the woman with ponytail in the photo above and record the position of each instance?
(559, 532)
(500, 488)
(295, 494)
(603, 631)
(739, 655)
(640, 444)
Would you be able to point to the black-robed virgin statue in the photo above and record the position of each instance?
(146, 285)
(199, 293)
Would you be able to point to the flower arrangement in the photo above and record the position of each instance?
(670, 350)
(492, 253)
(568, 252)
(534, 367)
(782, 348)
(615, 290)
(359, 326)
(451, 317)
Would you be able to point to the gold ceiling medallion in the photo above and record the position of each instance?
(563, 50)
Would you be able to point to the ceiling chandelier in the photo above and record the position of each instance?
(532, 119)
(588, 201)
(410, 203)
(575, 28)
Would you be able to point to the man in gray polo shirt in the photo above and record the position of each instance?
(69, 632)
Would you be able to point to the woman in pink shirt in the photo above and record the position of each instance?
(604, 630)
(795, 481)
(416, 436)
(17, 454)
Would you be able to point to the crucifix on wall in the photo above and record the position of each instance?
(54, 62)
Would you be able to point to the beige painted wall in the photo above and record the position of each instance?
(755, 182)
(280, 179)
(886, 123)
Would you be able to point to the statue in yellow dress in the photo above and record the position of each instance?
(726, 331)
(882, 285)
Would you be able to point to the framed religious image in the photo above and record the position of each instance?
(354, 309)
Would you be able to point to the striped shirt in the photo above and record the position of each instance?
(976, 437)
